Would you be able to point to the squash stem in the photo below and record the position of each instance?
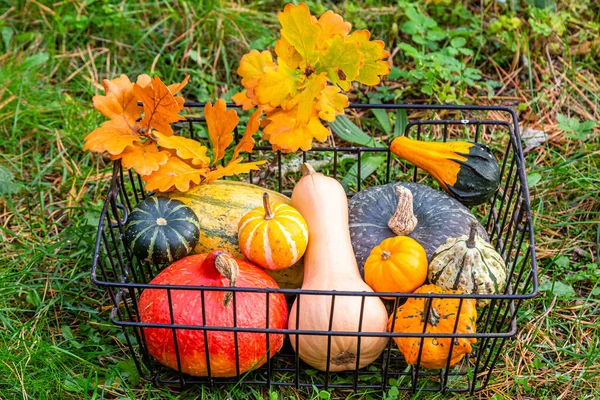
(403, 222)
(267, 206)
(385, 255)
(434, 315)
(307, 169)
(472, 235)
(230, 269)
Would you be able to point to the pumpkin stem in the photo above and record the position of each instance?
(267, 206)
(230, 269)
(403, 221)
(472, 235)
(385, 255)
(307, 169)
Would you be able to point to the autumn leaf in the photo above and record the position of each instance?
(285, 133)
(119, 100)
(342, 61)
(331, 103)
(242, 99)
(277, 86)
(187, 149)
(287, 54)
(221, 123)
(246, 143)
(233, 168)
(253, 66)
(308, 97)
(161, 108)
(332, 25)
(374, 53)
(174, 174)
(176, 87)
(301, 31)
(112, 136)
(143, 158)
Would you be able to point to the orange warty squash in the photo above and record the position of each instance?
(274, 236)
(410, 318)
(398, 264)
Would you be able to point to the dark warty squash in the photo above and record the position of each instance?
(427, 215)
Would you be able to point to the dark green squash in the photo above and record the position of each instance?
(467, 171)
(427, 215)
(162, 230)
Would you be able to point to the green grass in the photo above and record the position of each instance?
(55, 338)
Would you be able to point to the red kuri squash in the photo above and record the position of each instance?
(217, 268)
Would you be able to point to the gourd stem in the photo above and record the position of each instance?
(472, 235)
(307, 169)
(230, 269)
(385, 255)
(403, 222)
(267, 206)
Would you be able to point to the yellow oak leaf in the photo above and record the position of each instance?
(221, 123)
(307, 99)
(144, 158)
(333, 24)
(233, 168)
(253, 65)
(187, 149)
(331, 103)
(287, 54)
(285, 133)
(160, 106)
(246, 143)
(302, 31)
(112, 136)
(374, 55)
(174, 174)
(277, 86)
(342, 61)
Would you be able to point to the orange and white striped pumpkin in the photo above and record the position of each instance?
(274, 236)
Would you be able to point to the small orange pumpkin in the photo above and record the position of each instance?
(398, 264)
(273, 236)
(410, 318)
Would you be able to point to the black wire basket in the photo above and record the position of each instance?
(506, 217)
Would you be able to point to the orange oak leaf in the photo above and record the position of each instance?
(253, 65)
(302, 31)
(176, 87)
(233, 168)
(119, 101)
(175, 174)
(221, 123)
(160, 106)
(144, 158)
(374, 55)
(242, 99)
(187, 149)
(285, 133)
(333, 24)
(112, 136)
(246, 143)
(331, 103)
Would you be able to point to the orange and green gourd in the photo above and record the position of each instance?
(273, 236)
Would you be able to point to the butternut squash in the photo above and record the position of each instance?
(329, 264)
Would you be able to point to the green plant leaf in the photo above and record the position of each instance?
(533, 179)
(557, 288)
(401, 122)
(347, 130)
(368, 165)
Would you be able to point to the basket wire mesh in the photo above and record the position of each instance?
(506, 217)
